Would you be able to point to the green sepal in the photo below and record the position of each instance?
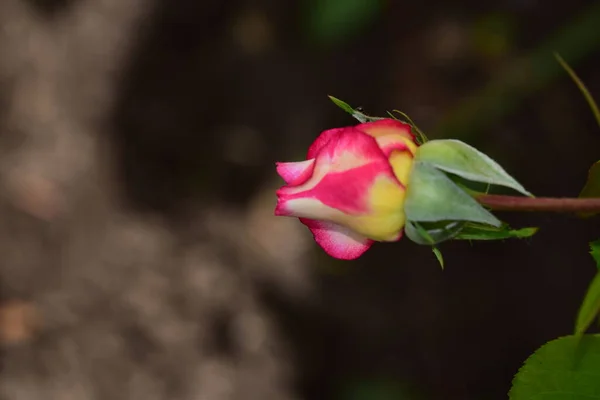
(438, 255)
(473, 231)
(459, 158)
(432, 197)
(361, 117)
(430, 233)
(421, 235)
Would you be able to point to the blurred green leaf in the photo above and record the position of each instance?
(590, 307)
(473, 231)
(584, 90)
(463, 160)
(565, 368)
(578, 38)
(493, 34)
(333, 21)
(592, 185)
(595, 252)
(433, 197)
(376, 390)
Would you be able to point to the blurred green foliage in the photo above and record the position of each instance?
(379, 389)
(330, 22)
(493, 34)
(523, 76)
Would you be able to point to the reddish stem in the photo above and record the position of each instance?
(543, 204)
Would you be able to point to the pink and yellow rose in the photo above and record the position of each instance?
(350, 191)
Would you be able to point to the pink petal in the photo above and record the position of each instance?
(353, 185)
(295, 173)
(343, 191)
(391, 135)
(346, 167)
(392, 147)
(349, 148)
(387, 126)
(322, 140)
(337, 241)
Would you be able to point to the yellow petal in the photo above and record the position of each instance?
(386, 218)
(401, 162)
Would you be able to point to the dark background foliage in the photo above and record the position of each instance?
(138, 248)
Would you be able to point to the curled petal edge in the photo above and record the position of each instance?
(338, 241)
(295, 173)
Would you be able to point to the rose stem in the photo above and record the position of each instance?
(541, 204)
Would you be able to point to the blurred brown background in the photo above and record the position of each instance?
(139, 255)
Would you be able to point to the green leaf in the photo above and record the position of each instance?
(438, 256)
(584, 90)
(432, 197)
(342, 104)
(590, 308)
(592, 186)
(595, 252)
(459, 158)
(473, 231)
(362, 118)
(565, 368)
